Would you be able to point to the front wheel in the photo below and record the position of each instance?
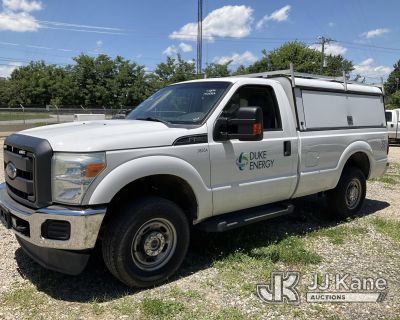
(348, 197)
(146, 242)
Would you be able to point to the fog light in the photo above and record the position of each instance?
(56, 230)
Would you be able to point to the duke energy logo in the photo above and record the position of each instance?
(242, 161)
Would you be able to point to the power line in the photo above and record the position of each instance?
(322, 41)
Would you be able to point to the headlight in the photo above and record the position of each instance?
(72, 174)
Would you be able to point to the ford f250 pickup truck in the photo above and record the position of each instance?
(215, 154)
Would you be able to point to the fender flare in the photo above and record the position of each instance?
(135, 169)
(355, 147)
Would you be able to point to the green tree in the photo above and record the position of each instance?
(171, 71)
(215, 70)
(130, 84)
(304, 59)
(94, 79)
(393, 101)
(393, 82)
(4, 91)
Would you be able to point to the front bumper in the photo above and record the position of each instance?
(84, 223)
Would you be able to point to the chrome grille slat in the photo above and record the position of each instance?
(31, 157)
(22, 163)
(23, 185)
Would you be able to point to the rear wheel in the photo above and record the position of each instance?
(348, 197)
(146, 242)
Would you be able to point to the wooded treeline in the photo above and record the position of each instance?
(113, 83)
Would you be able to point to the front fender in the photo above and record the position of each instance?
(138, 168)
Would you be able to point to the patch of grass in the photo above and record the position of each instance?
(25, 299)
(178, 293)
(387, 227)
(9, 116)
(242, 269)
(339, 234)
(97, 308)
(392, 175)
(290, 250)
(156, 308)
(125, 306)
(229, 314)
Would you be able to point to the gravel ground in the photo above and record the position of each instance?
(220, 288)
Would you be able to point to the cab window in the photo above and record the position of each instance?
(388, 116)
(257, 96)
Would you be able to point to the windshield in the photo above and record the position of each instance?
(186, 103)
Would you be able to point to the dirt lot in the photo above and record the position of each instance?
(219, 277)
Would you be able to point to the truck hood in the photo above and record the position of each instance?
(108, 135)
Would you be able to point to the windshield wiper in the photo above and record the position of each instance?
(153, 119)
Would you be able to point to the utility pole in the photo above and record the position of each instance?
(199, 36)
(322, 41)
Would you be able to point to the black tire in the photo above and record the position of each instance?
(348, 197)
(135, 229)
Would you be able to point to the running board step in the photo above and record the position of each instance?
(241, 218)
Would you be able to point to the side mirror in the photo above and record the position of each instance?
(245, 125)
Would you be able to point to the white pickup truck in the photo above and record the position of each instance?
(215, 154)
(393, 124)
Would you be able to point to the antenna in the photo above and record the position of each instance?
(199, 36)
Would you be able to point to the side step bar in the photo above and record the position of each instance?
(241, 218)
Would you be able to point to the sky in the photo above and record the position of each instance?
(365, 32)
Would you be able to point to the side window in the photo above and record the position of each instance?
(257, 96)
(388, 115)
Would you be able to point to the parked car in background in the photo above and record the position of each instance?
(393, 124)
(122, 114)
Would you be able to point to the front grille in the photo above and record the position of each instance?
(31, 157)
(22, 184)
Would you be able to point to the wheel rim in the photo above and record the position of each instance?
(353, 193)
(154, 244)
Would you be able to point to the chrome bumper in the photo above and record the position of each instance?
(85, 223)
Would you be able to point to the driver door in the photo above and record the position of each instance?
(246, 174)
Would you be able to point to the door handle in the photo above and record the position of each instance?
(392, 125)
(287, 148)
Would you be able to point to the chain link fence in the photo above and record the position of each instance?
(22, 117)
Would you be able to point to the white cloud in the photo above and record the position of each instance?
(367, 62)
(99, 46)
(367, 68)
(16, 16)
(375, 33)
(278, 15)
(236, 58)
(18, 22)
(170, 51)
(330, 48)
(227, 21)
(22, 5)
(185, 47)
(331, 24)
(6, 70)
